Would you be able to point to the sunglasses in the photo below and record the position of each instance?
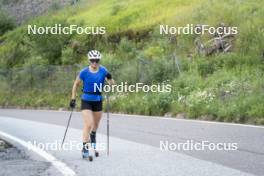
(94, 61)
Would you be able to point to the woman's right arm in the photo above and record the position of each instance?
(76, 84)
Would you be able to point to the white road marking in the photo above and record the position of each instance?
(62, 167)
(170, 118)
(191, 120)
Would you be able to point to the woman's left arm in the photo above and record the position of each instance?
(110, 81)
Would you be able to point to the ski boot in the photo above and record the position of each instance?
(93, 142)
(85, 153)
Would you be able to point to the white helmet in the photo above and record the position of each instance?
(94, 54)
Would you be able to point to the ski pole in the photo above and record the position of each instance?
(69, 120)
(107, 110)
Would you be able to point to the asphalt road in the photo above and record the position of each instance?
(143, 135)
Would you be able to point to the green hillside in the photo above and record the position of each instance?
(222, 86)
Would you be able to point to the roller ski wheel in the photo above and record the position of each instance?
(96, 153)
(90, 158)
(85, 155)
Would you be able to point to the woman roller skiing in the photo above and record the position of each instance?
(91, 99)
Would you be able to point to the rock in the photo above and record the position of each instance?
(23, 10)
(168, 114)
(181, 116)
(62, 109)
(2, 145)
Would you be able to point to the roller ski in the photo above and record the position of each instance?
(85, 152)
(93, 142)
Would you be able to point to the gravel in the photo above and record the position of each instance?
(14, 161)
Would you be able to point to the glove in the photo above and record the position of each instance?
(73, 103)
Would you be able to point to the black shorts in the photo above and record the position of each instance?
(92, 105)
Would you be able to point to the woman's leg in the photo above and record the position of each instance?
(97, 115)
(88, 124)
(87, 127)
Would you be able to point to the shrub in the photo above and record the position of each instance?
(6, 23)
(55, 5)
(48, 45)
